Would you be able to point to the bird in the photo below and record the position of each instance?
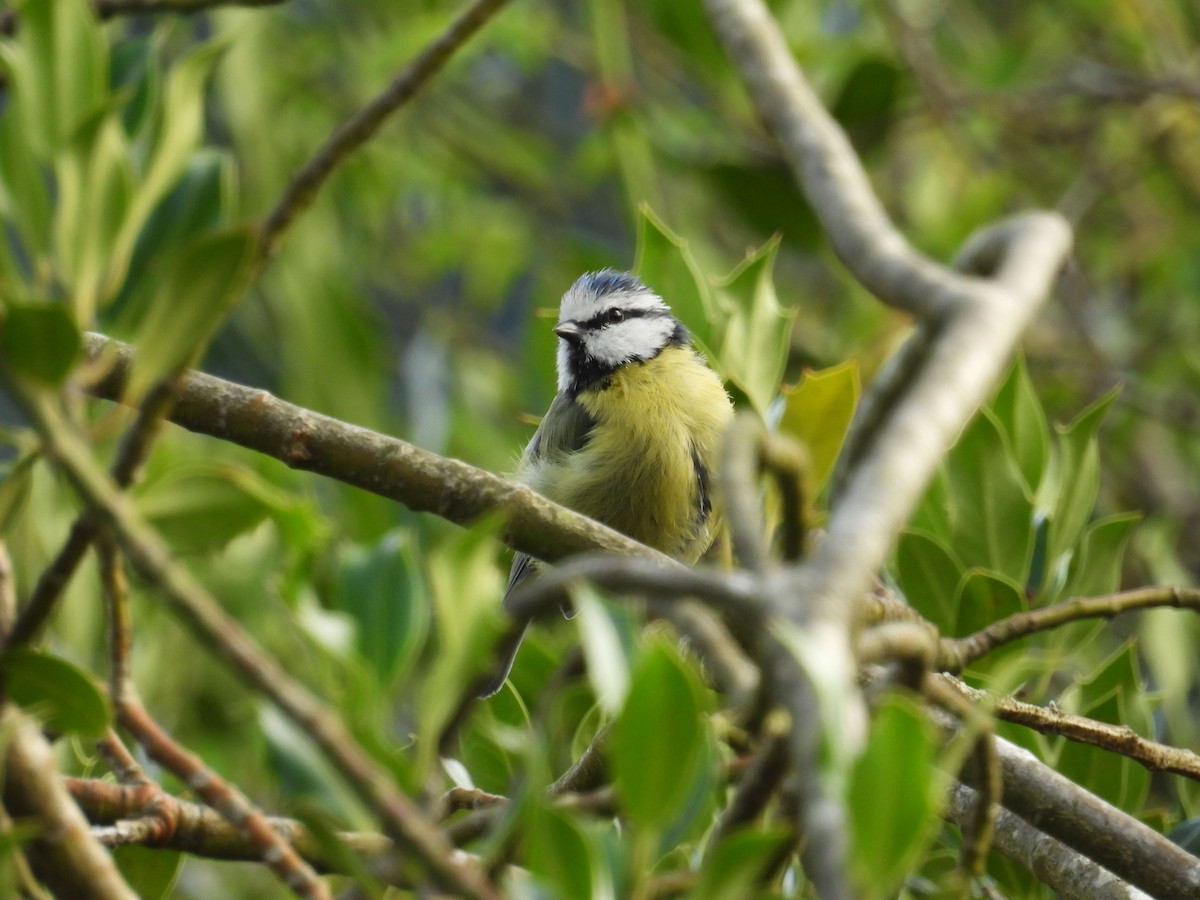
(633, 434)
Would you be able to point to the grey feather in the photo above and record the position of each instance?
(564, 429)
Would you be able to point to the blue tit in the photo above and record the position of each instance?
(632, 436)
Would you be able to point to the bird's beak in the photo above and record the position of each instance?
(569, 331)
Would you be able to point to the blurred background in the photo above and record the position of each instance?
(413, 297)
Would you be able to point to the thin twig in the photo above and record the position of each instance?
(978, 825)
(955, 654)
(359, 128)
(272, 849)
(200, 830)
(121, 761)
(758, 783)
(1119, 739)
(218, 793)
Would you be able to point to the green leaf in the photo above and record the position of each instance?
(1020, 416)
(200, 285)
(1115, 694)
(68, 74)
(179, 131)
(95, 183)
(606, 634)
(668, 267)
(1075, 481)
(200, 507)
(991, 509)
(658, 740)
(62, 696)
(564, 855)
(865, 104)
(150, 871)
(15, 488)
(202, 200)
(894, 795)
(39, 340)
(734, 868)
(928, 575)
(1096, 566)
(757, 334)
(818, 411)
(24, 192)
(984, 598)
(324, 830)
(382, 589)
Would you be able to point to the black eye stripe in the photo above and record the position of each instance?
(607, 318)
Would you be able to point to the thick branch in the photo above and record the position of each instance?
(1068, 873)
(64, 855)
(1120, 843)
(389, 467)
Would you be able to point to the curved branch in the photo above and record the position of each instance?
(955, 654)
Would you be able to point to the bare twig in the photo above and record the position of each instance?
(759, 782)
(359, 128)
(218, 793)
(63, 855)
(955, 654)
(199, 830)
(272, 849)
(121, 761)
(1115, 738)
(389, 467)
(978, 824)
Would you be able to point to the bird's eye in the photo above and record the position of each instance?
(616, 315)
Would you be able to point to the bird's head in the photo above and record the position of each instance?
(608, 319)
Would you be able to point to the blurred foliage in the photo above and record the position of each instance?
(413, 298)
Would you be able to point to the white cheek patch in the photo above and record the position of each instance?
(629, 340)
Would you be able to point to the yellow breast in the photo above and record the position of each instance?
(657, 422)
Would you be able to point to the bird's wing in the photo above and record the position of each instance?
(564, 429)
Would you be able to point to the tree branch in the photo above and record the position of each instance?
(200, 830)
(63, 855)
(1115, 738)
(1120, 843)
(955, 654)
(1067, 872)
